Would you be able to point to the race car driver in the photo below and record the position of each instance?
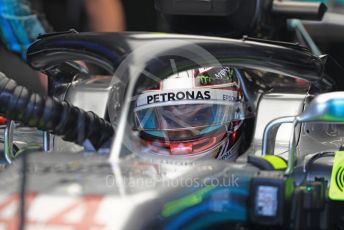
(198, 113)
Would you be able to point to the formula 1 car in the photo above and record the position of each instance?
(290, 174)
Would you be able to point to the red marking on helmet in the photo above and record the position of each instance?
(181, 148)
(184, 147)
(234, 136)
(211, 142)
(300, 82)
(3, 120)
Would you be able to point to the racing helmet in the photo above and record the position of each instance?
(195, 113)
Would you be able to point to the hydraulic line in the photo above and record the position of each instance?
(50, 114)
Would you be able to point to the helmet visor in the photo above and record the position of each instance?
(195, 111)
(188, 119)
(186, 116)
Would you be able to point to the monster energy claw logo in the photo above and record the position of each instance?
(204, 79)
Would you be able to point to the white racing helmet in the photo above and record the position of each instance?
(195, 113)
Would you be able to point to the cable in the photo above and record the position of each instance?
(315, 157)
(50, 114)
(311, 160)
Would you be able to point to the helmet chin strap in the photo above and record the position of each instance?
(226, 152)
(232, 127)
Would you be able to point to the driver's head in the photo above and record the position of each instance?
(195, 113)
